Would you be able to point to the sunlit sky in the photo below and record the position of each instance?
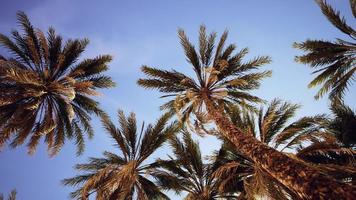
(145, 32)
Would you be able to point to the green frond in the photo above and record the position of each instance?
(32, 42)
(169, 181)
(76, 180)
(32, 144)
(195, 157)
(324, 76)
(55, 46)
(102, 81)
(227, 52)
(206, 45)
(248, 82)
(69, 55)
(253, 64)
(171, 79)
(79, 139)
(334, 61)
(342, 84)
(302, 130)
(151, 190)
(325, 153)
(156, 135)
(343, 123)
(90, 67)
(21, 76)
(116, 134)
(335, 18)
(220, 47)
(14, 49)
(128, 129)
(23, 132)
(244, 96)
(190, 53)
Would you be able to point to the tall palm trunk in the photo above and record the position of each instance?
(308, 182)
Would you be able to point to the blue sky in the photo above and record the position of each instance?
(145, 32)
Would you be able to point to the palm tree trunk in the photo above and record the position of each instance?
(306, 181)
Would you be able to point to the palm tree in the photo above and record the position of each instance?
(223, 84)
(125, 175)
(187, 172)
(271, 129)
(223, 77)
(334, 62)
(12, 196)
(234, 168)
(332, 159)
(231, 166)
(336, 157)
(309, 136)
(343, 125)
(44, 93)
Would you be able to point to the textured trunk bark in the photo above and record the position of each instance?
(308, 182)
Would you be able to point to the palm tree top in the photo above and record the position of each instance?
(186, 171)
(124, 175)
(343, 124)
(334, 62)
(44, 91)
(12, 196)
(220, 75)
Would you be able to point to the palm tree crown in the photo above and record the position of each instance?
(44, 93)
(126, 175)
(334, 61)
(343, 124)
(187, 172)
(220, 76)
(12, 196)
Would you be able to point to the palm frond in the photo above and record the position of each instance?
(335, 18)
(325, 153)
(334, 61)
(343, 124)
(156, 135)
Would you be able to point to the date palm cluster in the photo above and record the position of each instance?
(47, 93)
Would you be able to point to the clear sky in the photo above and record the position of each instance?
(145, 32)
